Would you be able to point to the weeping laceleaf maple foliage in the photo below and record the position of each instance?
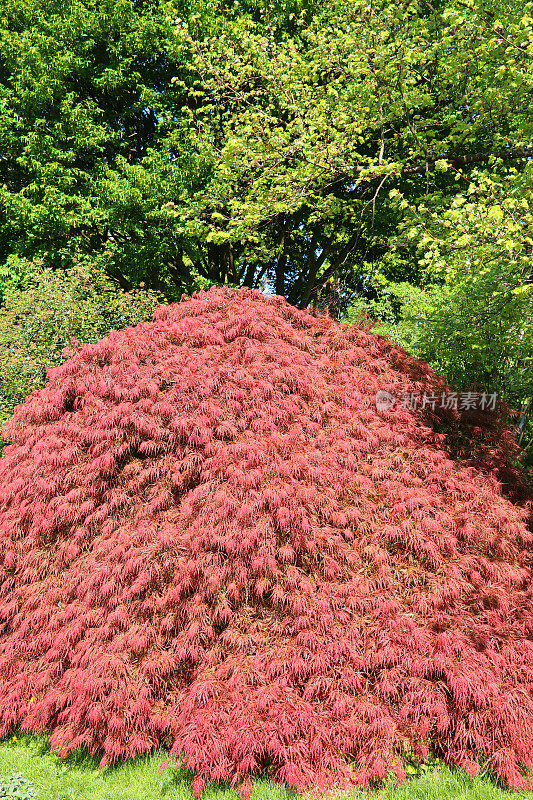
(212, 538)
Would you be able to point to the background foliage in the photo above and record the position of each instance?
(47, 310)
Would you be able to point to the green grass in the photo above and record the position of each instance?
(78, 778)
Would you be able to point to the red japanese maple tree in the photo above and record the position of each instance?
(212, 538)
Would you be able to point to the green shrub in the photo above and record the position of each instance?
(45, 310)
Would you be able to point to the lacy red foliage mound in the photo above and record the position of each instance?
(212, 538)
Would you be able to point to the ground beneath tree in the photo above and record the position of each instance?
(211, 537)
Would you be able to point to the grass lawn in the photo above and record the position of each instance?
(78, 778)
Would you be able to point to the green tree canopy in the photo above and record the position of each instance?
(308, 128)
(191, 143)
(83, 88)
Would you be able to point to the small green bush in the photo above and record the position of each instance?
(15, 786)
(45, 310)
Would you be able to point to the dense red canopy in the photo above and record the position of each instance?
(211, 537)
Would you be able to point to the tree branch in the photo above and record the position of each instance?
(456, 161)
